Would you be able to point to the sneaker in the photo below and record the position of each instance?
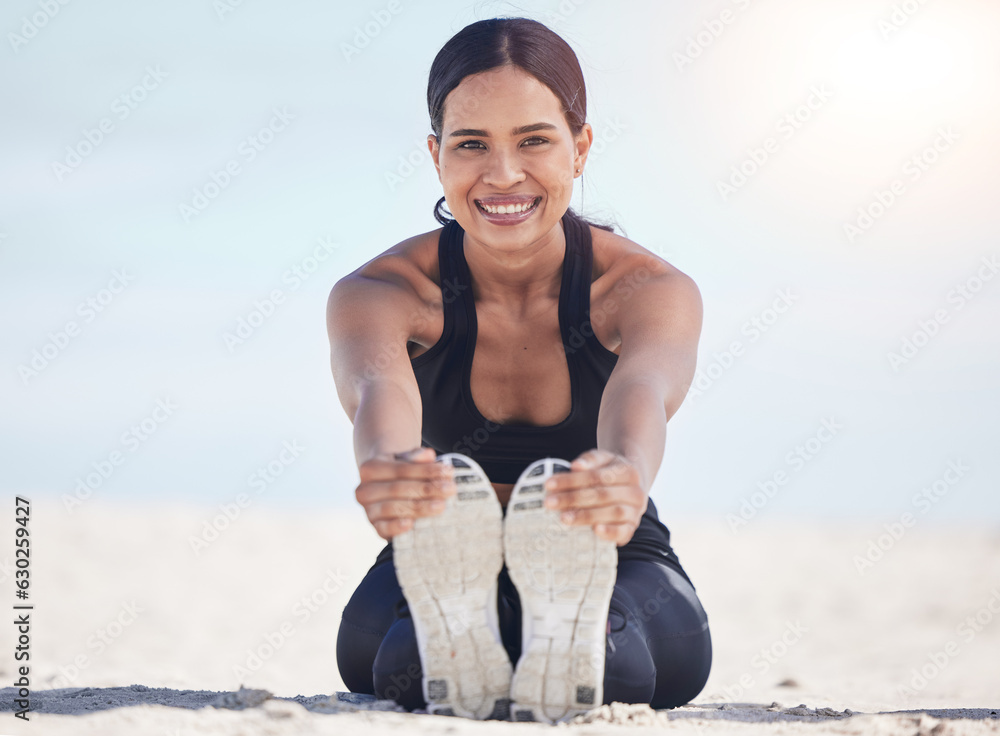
(564, 576)
(447, 566)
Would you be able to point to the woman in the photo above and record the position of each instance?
(544, 355)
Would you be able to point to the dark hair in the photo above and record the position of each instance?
(497, 42)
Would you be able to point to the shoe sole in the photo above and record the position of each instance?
(447, 566)
(565, 576)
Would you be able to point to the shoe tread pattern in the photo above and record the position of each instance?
(447, 566)
(565, 576)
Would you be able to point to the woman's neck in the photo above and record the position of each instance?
(516, 279)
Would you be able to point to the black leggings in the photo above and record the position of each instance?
(658, 650)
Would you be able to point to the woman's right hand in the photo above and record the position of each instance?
(397, 489)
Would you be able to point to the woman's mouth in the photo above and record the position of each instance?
(510, 212)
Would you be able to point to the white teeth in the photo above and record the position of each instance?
(508, 209)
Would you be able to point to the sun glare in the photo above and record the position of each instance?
(948, 62)
(913, 62)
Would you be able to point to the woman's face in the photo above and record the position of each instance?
(505, 145)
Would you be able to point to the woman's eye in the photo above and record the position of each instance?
(478, 145)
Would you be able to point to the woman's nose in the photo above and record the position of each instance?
(503, 170)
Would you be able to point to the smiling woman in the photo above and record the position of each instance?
(481, 167)
(510, 377)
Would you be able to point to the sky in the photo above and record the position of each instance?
(184, 182)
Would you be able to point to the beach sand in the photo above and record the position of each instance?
(176, 620)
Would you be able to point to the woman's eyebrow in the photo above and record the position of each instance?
(516, 131)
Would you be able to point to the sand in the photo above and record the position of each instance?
(175, 621)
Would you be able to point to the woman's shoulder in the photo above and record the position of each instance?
(410, 265)
(636, 288)
(619, 260)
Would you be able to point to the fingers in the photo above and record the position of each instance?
(594, 468)
(404, 489)
(388, 468)
(390, 528)
(588, 496)
(387, 504)
(618, 513)
(601, 490)
(611, 484)
(396, 510)
(417, 454)
(396, 489)
(620, 534)
(592, 459)
(393, 516)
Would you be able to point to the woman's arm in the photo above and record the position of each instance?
(659, 331)
(368, 334)
(368, 325)
(659, 326)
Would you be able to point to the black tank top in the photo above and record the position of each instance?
(453, 423)
(451, 420)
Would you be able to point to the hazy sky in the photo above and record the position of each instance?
(825, 171)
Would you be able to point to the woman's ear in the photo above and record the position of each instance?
(435, 149)
(584, 139)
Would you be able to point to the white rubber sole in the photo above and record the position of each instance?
(565, 576)
(447, 566)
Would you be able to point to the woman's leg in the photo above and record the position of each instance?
(436, 645)
(377, 651)
(659, 649)
(376, 646)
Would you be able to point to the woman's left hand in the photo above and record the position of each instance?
(602, 490)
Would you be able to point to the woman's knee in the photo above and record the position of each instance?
(671, 628)
(367, 618)
(396, 672)
(683, 665)
(629, 672)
